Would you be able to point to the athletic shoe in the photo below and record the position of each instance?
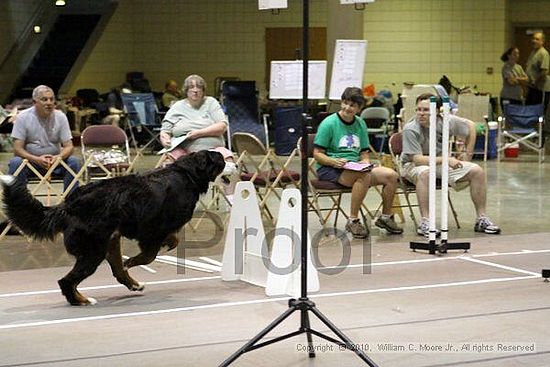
(386, 222)
(424, 228)
(484, 224)
(357, 228)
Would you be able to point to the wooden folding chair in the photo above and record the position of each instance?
(319, 189)
(267, 171)
(47, 180)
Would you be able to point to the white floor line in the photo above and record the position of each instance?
(522, 252)
(34, 293)
(182, 264)
(403, 262)
(495, 265)
(185, 262)
(211, 261)
(251, 302)
(432, 259)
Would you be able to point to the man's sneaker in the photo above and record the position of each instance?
(424, 228)
(386, 222)
(356, 228)
(484, 224)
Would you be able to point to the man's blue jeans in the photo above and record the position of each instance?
(73, 162)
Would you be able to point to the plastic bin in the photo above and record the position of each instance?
(512, 151)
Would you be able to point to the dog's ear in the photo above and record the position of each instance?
(216, 164)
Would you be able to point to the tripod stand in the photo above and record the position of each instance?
(302, 304)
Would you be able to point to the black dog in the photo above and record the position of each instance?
(149, 208)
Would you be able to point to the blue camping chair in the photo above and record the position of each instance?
(240, 102)
(522, 125)
(144, 120)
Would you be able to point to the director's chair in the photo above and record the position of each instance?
(522, 125)
(143, 120)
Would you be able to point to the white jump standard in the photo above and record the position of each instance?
(444, 245)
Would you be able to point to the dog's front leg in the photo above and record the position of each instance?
(171, 241)
(114, 257)
(148, 253)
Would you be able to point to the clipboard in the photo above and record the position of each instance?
(174, 143)
(359, 166)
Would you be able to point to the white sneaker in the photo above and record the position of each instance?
(484, 224)
(424, 228)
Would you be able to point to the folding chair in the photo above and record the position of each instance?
(406, 187)
(106, 152)
(47, 180)
(143, 118)
(319, 189)
(240, 102)
(522, 125)
(377, 120)
(263, 168)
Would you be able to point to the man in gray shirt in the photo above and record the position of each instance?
(537, 68)
(41, 134)
(462, 172)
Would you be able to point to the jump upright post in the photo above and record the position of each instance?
(432, 246)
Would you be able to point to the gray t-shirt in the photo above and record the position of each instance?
(511, 91)
(42, 136)
(537, 64)
(182, 118)
(416, 139)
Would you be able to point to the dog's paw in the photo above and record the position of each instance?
(7, 180)
(91, 301)
(138, 287)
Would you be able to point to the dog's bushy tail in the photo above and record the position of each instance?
(28, 214)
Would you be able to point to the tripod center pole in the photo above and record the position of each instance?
(433, 167)
(445, 171)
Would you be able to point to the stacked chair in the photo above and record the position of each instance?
(106, 152)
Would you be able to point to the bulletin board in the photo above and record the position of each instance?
(287, 78)
(348, 66)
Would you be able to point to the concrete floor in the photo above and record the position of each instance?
(400, 309)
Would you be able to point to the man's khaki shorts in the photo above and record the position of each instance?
(411, 172)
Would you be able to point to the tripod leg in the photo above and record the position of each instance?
(307, 329)
(245, 348)
(344, 338)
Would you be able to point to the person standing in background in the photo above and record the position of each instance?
(513, 78)
(537, 68)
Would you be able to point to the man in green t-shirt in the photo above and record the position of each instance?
(343, 137)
